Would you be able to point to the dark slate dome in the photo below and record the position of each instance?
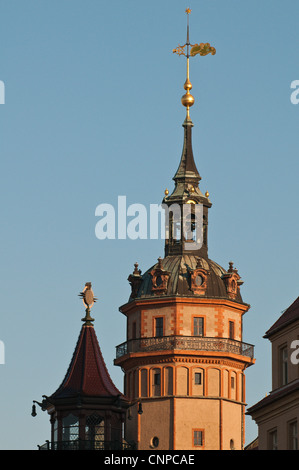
(179, 268)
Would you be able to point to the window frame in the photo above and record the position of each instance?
(195, 437)
(198, 327)
(293, 436)
(159, 328)
(283, 361)
(196, 374)
(272, 439)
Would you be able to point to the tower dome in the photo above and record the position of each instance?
(188, 275)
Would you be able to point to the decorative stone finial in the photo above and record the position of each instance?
(135, 280)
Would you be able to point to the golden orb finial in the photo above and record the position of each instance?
(166, 192)
(207, 194)
(201, 49)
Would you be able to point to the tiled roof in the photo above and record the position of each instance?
(290, 314)
(87, 374)
(274, 396)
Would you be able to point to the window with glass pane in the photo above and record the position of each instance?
(197, 438)
(293, 438)
(198, 326)
(156, 387)
(159, 327)
(272, 440)
(70, 428)
(197, 378)
(157, 378)
(284, 365)
(94, 431)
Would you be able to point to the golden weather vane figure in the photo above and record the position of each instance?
(201, 49)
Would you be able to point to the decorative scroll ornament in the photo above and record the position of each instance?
(199, 279)
(202, 49)
(159, 278)
(232, 282)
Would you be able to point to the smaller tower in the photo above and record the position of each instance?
(87, 411)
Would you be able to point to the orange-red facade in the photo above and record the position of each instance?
(192, 388)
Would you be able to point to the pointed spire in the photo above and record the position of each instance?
(187, 168)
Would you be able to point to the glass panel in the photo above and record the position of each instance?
(197, 437)
(273, 440)
(156, 382)
(159, 327)
(95, 430)
(198, 326)
(70, 428)
(293, 436)
(197, 378)
(55, 429)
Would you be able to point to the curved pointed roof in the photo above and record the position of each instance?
(87, 374)
(187, 168)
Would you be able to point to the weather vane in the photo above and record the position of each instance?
(89, 299)
(201, 49)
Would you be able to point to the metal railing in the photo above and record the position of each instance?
(192, 343)
(80, 444)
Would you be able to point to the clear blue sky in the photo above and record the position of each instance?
(92, 111)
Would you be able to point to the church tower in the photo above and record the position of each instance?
(184, 357)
